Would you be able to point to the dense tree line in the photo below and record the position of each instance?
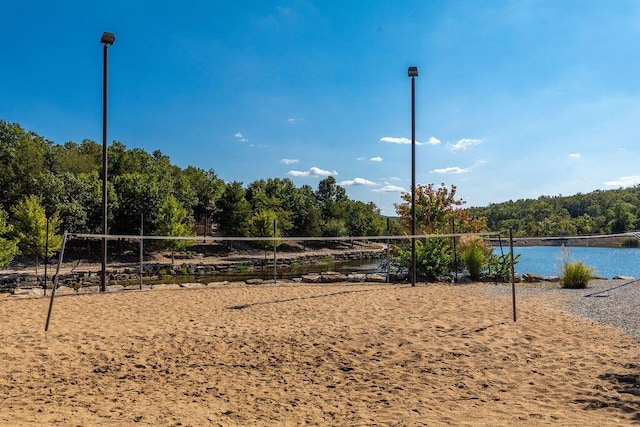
(46, 188)
(43, 182)
(598, 212)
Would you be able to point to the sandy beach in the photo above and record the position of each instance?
(296, 354)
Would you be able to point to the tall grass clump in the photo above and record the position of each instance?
(474, 253)
(574, 274)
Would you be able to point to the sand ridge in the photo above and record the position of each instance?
(288, 354)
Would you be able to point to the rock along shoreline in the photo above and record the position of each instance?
(127, 276)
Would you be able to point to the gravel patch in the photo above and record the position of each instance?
(609, 302)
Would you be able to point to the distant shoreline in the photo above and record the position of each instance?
(610, 241)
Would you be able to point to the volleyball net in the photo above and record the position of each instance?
(499, 239)
(385, 243)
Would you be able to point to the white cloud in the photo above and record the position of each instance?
(625, 181)
(453, 170)
(240, 137)
(390, 189)
(394, 140)
(291, 120)
(376, 159)
(402, 140)
(463, 144)
(289, 161)
(317, 171)
(314, 171)
(357, 181)
(575, 155)
(298, 173)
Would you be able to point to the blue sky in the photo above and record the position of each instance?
(515, 99)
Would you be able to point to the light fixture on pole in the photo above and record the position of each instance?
(107, 39)
(413, 73)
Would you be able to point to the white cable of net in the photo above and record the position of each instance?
(270, 239)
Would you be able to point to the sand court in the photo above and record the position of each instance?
(292, 354)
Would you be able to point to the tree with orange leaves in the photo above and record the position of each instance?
(437, 209)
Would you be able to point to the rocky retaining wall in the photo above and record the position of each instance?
(77, 279)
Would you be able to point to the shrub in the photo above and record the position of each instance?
(574, 275)
(241, 268)
(500, 265)
(474, 253)
(434, 258)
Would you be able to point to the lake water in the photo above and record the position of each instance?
(542, 260)
(547, 260)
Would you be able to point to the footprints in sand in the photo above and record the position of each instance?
(308, 354)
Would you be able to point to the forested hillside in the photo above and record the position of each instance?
(42, 181)
(598, 212)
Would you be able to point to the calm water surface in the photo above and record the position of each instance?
(607, 262)
(543, 260)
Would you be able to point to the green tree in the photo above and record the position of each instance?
(22, 160)
(364, 219)
(30, 227)
(208, 188)
(137, 194)
(173, 220)
(621, 217)
(79, 159)
(396, 227)
(306, 218)
(234, 211)
(182, 190)
(262, 225)
(585, 224)
(80, 206)
(335, 227)
(50, 190)
(8, 246)
(331, 199)
(280, 196)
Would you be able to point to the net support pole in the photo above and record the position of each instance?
(388, 244)
(513, 274)
(105, 167)
(46, 256)
(55, 281)
(455, 251)
(413, 180)
(141, 247)
(275, 254)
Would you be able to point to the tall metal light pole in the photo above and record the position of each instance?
(107, 39)
(413, 73)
